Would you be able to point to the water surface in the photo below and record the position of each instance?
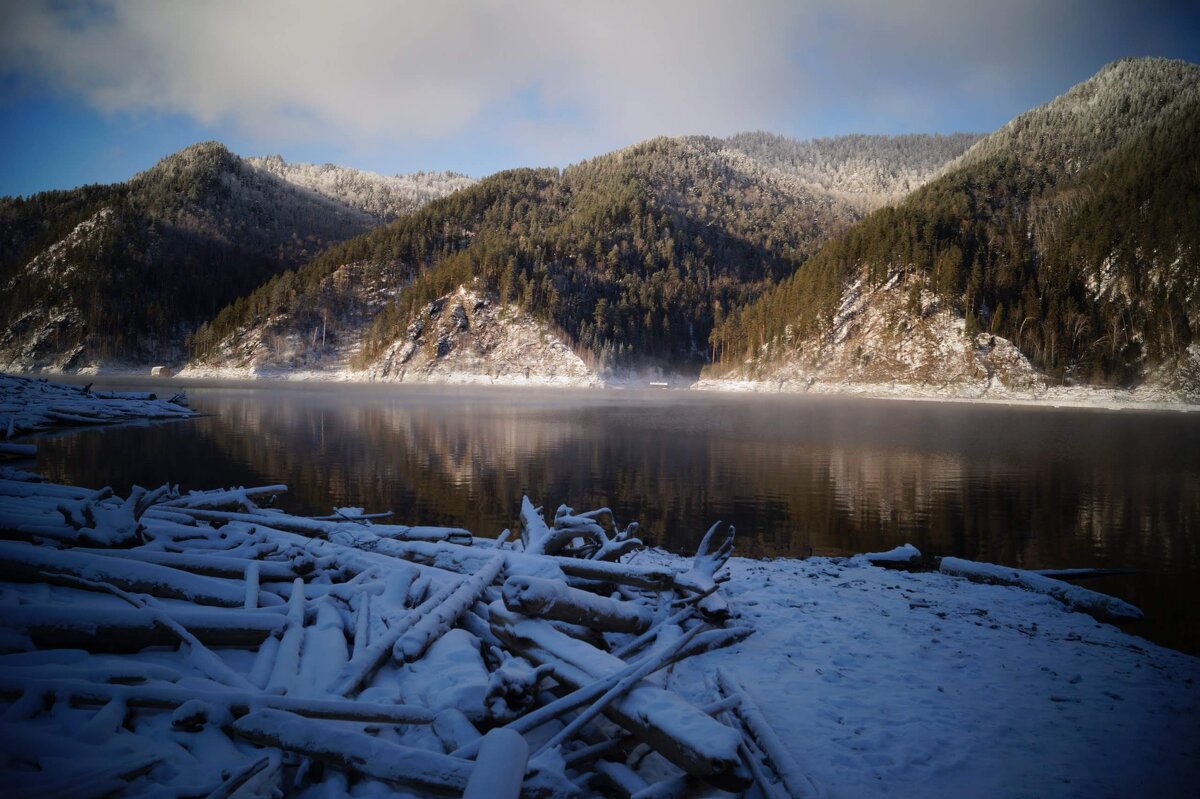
(1024, 486)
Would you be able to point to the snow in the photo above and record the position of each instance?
(901, 554)
(886, 683)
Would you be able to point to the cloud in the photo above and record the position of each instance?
(557, 77)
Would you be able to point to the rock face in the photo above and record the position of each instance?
(895, 334)
(468, 337)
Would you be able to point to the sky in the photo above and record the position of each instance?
(98, 90)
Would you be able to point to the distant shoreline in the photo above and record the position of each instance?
(1074, 397)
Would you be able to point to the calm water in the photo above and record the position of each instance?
(1031, 487)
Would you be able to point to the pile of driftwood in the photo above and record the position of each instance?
(32, 404)
(205, 643)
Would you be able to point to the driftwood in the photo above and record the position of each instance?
(26, 563)
(419, 768)
(169, 697)
(1101, 606)
(119, 629)
(553, 599)
(499, 768)
(483, 642)
(678, 731)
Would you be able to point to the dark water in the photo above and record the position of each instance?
(1030, 487)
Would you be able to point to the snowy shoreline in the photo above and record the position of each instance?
(1054, 397)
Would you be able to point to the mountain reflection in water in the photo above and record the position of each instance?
(1030, 487)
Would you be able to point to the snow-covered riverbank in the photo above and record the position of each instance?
(1054, 396)
(887, 683)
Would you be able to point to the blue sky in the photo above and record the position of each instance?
(96, 91)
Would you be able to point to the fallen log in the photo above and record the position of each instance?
(27, 563)
(206, 565)
(413, 643)
(499, 768)
(169, 697)
(313, 527)
(1101, 606)
(554, 599)
(120, 629)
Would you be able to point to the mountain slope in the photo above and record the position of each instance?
(124, 272)
(630, 257)
(1073, 233)
(384, 197)
(866, 172)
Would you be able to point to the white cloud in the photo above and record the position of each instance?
(562, 76)
(390, 69)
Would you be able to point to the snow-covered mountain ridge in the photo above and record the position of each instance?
(385, 197)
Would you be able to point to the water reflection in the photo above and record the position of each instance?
(1028, 487)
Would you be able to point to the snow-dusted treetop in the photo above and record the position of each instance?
(382, 196)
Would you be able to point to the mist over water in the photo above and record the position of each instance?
(1029, 487)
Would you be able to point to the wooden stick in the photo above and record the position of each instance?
(198, 653)
(651, 663)
(431, 626)
(797, 783)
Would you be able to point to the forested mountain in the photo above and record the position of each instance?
(631, 257)
(384, 197)
(123, 272)
(1073, 233)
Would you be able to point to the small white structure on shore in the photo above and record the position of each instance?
(659, 384)
(160, 371)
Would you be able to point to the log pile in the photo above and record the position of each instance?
(206, 643)
(28, 405)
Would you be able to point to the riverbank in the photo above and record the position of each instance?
(1146, 398)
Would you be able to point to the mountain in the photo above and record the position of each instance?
(626, 260)
(384, 197)
(122, 273)
(1063, 248)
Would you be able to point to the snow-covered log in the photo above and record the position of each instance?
(313, 527)
(701, 578)
(583, 532)
(554, 599)
(126, 629)
(426, 630)
(168, 697)
(27, 563)
(500, 767)
(1101, 606)
(224, 497)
